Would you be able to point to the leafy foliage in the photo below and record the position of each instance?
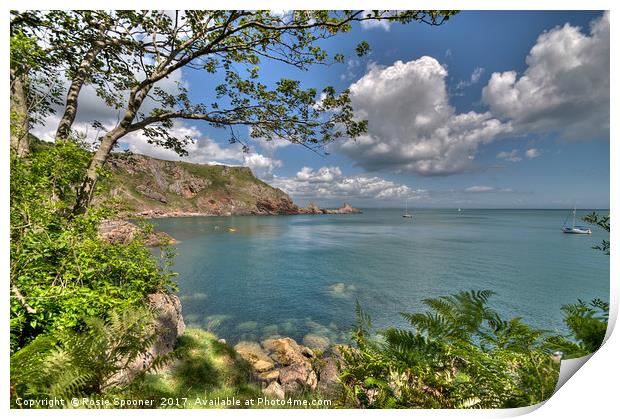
(124, 54)
(31, 64)
(588, 325)
(61, 271)
(458, 354)
(121, 51)
(602, 222)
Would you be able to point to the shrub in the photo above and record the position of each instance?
(61, 271)
(458, 354)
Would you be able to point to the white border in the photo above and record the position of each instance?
(590, 393)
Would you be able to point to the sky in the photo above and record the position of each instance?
(502, 109)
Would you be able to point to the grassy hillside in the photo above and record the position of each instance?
(141, 185)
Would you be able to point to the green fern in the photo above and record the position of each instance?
(458, 354)
(72, 363)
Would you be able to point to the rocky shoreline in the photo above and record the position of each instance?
(280, 366)
(312, 208)
(284, 368)
(123, 231)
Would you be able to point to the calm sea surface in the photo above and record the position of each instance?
(296, 275)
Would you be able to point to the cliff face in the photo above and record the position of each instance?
(141, 185)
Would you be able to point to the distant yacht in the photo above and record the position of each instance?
(575, 229)
(406, 214)
(459, 210)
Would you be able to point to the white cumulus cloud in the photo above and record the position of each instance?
(330, 183)
(203, 150)
(565, 88)
(512, 155)
(411, 124)
(372, 24)
(261, 164)
(532, 153)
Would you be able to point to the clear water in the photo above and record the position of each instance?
(294, 275)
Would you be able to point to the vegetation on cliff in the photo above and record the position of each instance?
(141, 185)
(62, 272)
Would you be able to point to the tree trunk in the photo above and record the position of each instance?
(71, 106)
(108, 141)
(86, 191)
(22, 301)
(19, 114)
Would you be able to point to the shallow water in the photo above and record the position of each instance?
(299, 275)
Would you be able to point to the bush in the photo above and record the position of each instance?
(61, 271)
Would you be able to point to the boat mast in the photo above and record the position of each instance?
(574, 212)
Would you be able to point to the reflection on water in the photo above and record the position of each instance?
(250, 278)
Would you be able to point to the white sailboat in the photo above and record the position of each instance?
(406, 214)
(575, 229)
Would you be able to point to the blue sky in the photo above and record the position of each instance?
(506, 109)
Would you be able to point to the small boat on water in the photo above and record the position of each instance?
(406, 214)
(575, 229)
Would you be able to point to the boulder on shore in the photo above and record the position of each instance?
(294, 368)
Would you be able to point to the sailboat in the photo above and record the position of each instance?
(406, 214)
(575, 229)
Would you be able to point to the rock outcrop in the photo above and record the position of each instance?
(168, 326)
(122, 231)
(312, 208)
(344, 209)
(168, 322)
(285, 368)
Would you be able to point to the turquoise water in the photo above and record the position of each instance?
(294, 275)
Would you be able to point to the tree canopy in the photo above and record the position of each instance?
(124, 54)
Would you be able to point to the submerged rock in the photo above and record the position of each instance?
(340, 289)
(315, 341)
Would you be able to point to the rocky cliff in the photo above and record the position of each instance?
(141, 185)
(145, 186)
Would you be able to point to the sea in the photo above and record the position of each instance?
(253, 277)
